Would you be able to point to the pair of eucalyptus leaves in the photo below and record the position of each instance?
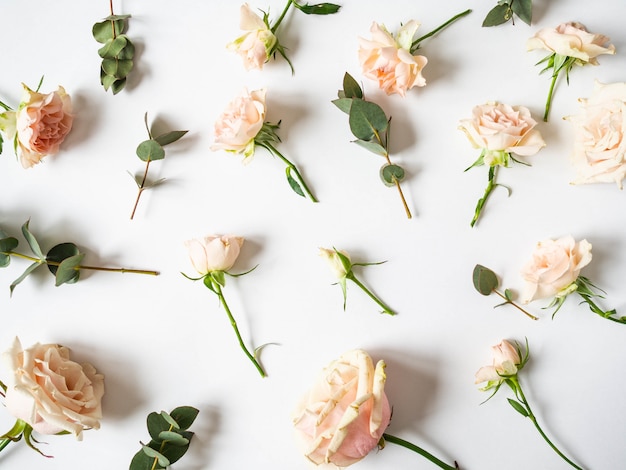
(62, 260)
(505, 9)
(170, 439)
(371, 126)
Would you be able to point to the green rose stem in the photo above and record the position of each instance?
(274, 151)
(218, 290)
(401, 442)
(416, 44)
(513, 383)
(281, 17)
(92, 268)
(550, 94)
(386, 309)
(493, 171)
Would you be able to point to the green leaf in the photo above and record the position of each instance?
(518, 407)
(141, 461)
(104, 30)
(161, 459)
(156, 424)
(171, 421)
(112, 47)
(351, 88)
(117, 17)
(28, 270)
(343, 104)
(389, 174)
(485, 280)
(6, 245)
(173, 438)
(498, 15)
(150, 150)
(59, 253)
(293, 183)
(118, 85)
(218, 277)
(32, 242)
(118, 68)
(174, 453)
(128, 52)
(366, 119)
(68, 272)
(374, 147)
(523, 9)
(318, 8)
(106, 80)
(169, 137)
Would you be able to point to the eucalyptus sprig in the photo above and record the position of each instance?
(486, 282)
(117, 51)
(505, 9)
(170, 439)
(62, 260)
(148, 151)
(371, 127)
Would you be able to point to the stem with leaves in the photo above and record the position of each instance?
(418, 450)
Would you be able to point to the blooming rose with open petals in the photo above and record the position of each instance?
(39, 125)
(388, 60)
(240, 123)
(554, 267)
(214, 253)
(506, 363)
(254, 47)
(573, 40)
(50, 392)
(342, 418)
(600, 144)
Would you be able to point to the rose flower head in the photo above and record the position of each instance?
(256, 45)
(554, 267)
(39, 125)
(214, 253)
(338, 261)
(389, 61)
(51, 393)
(343, 416)
(600, 136)
(507, 361)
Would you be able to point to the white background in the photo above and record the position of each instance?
(163, 342)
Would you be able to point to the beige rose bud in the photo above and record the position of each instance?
(214, 253)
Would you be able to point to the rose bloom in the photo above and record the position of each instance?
(214, 253)
(50, 392)
(333, 260)
(256, 45)
(498, 128)
(240, 123)
(600, 144)
(389, 61)
(572, 39)
(41, 123)
(506, 362)
(342, 418)
(555, 266)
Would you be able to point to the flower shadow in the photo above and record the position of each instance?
(83, 105)
(140, 69)
(206, 428)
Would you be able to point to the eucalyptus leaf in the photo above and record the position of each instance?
(28, 270)
(106, 80)
(184, 416)
(156, 424)
(105, 30)
(171, 421)
(367, 119)
(518, 407)
(150, 150)
(523, 9)
(68, 272)
(169, 137)
(293, 183)
(173, 452)
(343, 104)
(173, 438)
(31, 240)
(318, 8)
(374, 147)
(497, 15)
(390, 174)
(155, 454)
(59, 253)
(8, 244)
(117, 17)
(128, 52)
(351, 88)
(141, 461)
(485, 280)
(112, 47)
(118, 85)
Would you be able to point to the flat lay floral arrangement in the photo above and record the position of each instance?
(182, 320)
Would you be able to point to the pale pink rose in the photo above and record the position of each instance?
(497, 127)
(214, 253)
(240, 123)
(572, 39)
(256, 45)
(600, 144)
(50, 392)
(388, 60)
(40, 124)
(334, 261)
(342, 418)
(554, 267)
(506, 362)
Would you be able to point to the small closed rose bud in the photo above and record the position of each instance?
(506, 362)
(335, 262)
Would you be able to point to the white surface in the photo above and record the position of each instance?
(163, 342)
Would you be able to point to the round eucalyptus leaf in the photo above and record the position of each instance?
(60, 252)
(485, 280)
(390, 174)
(150, 150)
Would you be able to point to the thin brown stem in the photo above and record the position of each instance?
(404, 203)
(141, 188)
(515, 305)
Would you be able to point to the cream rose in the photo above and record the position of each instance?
(50, 392)
(506, 361)
(499, 128)
(240, 123)
(214, 253)
(600, 144)
(389, 61)
(342, 418)
(39, 125)
(554, 267)
(572, 40)
(334, 261)
(254, 47)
